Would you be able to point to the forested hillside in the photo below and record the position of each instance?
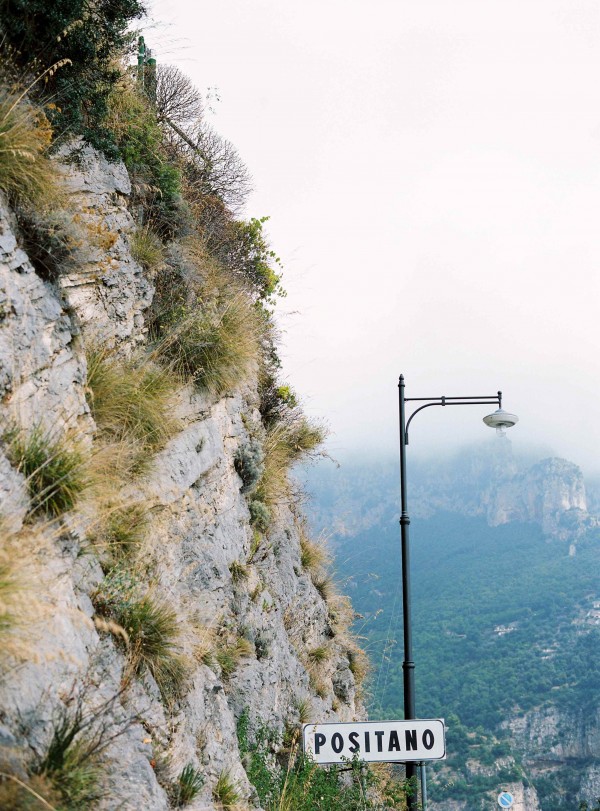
(506, 626)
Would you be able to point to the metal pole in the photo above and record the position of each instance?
(408, 666)
(424, 786)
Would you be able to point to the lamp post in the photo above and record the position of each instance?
(500, 420)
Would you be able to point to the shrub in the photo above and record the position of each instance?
(249, 464)
(87, 37)
(189, 785)
(132, 404)
(27, 176)
(225, 792)
(53, 469)
(204, 324)
(301, 785)
(156, 181)
(260, 515)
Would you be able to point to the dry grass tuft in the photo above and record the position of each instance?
(314, 555)
(132, 404)
(53, 466)
(147, 249)
(285, 444)
(27, 176)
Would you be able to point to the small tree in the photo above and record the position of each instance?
(177, 100)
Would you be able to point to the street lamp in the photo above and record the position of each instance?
(500, 420)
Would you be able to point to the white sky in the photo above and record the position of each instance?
(432, 173)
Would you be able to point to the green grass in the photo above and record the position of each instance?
(318, 654)
(239, 572)
(53, 468)
(204, 322)
(153, 633)
(225, 792)
(151, 627)
(189, 785)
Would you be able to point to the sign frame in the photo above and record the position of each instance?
(412, 733)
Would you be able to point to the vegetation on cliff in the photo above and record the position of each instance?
(65, 83)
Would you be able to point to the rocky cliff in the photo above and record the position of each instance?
(246, 608)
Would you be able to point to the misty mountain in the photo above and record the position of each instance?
(506, 614)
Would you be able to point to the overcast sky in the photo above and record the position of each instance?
(432, 174)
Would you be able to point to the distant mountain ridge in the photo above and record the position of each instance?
(506, 601)
(487, 480)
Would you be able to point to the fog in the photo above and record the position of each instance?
(432, 175)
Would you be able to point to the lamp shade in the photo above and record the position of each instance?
(501, 419)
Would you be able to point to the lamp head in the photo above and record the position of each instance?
(501, 420)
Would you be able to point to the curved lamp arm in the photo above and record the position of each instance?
(448, 401)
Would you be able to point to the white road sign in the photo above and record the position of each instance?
(376, 741)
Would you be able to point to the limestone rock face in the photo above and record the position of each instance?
(200, 527)
(544, 494)
(42, 374)
(107, 288)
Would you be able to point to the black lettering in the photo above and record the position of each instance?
(379, 736)
(394, 743)
(410, 736)
(320, 739)
(428, 739)
(353, 738)
(337, 743)
(367, 741)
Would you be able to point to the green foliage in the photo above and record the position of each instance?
(301, 785)
(204, 324)
(156, 180)
(248, 254)
(225, 792)
(470, 583)
(53, 469)
(88, 38)
(189, 785)
(249, 464)
(151, 627)
(260, 515)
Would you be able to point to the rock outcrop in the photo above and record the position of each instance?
(200, 527)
